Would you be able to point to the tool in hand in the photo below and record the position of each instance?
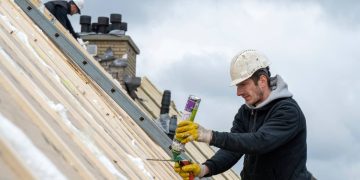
(189, 114)
(181, 163)
(177, 147)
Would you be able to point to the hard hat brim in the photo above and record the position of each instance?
(237, 81)
(79, 11)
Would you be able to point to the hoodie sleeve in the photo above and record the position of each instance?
(61, 15)
(279, 128)
(224, 159)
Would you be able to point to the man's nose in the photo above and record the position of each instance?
(239, 91)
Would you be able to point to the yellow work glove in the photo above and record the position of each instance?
(187, 131)
(196, 170)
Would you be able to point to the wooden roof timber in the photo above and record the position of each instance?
(65, 114)
(72, 121)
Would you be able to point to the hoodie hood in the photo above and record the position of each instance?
(279, 89)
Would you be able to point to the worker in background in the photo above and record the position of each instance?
(269, 129)
(60, 9)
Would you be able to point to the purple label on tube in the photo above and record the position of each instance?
(189, 105)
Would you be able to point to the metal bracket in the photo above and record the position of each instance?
(69, 49)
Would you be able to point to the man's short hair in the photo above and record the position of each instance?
(263, 71)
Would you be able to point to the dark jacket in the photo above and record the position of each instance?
(60, 9)
(272, 136)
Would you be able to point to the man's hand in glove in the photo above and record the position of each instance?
(196, 170)
(188, 131)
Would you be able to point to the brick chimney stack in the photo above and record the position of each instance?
(120, 45)
(114, 50)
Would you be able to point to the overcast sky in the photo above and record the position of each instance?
(186, 47)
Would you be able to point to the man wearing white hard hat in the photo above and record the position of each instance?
(269, 130)
(60, 9)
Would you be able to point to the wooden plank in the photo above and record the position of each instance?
(87, 65)
(27, 85)
(38, 119)
(7, 172)
(17, 169)
(44, 71)
(112, 132)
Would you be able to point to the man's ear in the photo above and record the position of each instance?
(262, 81)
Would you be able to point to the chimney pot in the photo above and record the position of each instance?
(103, 21)
(115, 18)
(116, 26)
(123, 26)
(94, 27)
(84, 19)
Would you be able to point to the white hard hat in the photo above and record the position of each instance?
(245, 64)
(79, 4)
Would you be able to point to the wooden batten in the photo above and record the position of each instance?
(72, 120)
(68, 117)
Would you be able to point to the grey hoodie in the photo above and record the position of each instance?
(279, 89)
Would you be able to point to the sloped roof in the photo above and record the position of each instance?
(56, 122)
(150, 102)
(150, 99)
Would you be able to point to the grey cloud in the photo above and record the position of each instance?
(346, 10)
(345, 13)
(139, 12)
(199, 74)
(207, 77)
